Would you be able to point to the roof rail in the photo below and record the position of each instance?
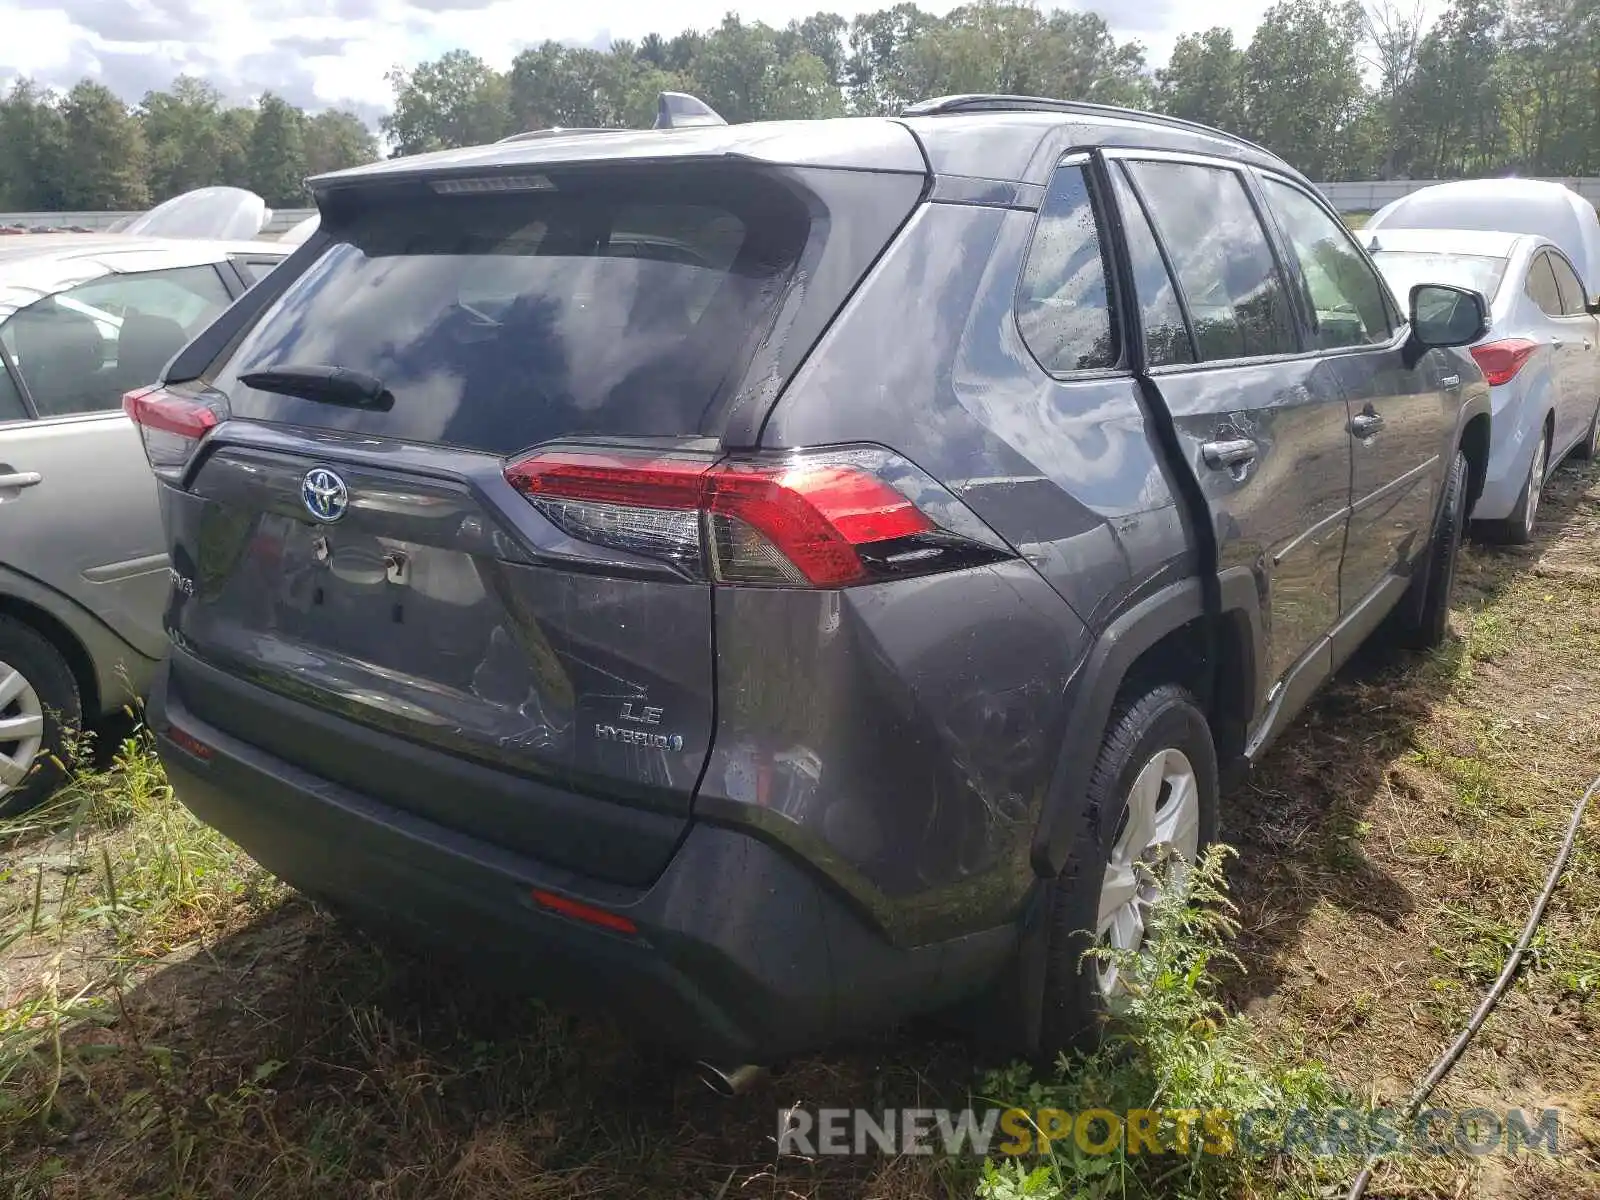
(981, 102)
(538, 135)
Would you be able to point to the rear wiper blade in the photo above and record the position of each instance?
(325, 385)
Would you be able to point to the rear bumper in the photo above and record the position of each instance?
(1517, 424)
(742, 954)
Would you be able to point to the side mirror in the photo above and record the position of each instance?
(1592, 308)
(1442, 315)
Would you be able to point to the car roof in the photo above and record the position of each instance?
(33, 266)
(1533, 206)
(994, 143)
(1490, 243)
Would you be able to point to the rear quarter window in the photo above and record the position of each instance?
(1063, 305)
(622, 305)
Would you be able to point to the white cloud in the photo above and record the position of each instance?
(323, 53)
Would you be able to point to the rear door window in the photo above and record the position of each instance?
(1573, 300)
(11, 406)
(81, 349)
(1542, 287)
(1166, 334)
(613, 304)
(1224, 261)
(1063, 306)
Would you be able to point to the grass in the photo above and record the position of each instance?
(173, 1023)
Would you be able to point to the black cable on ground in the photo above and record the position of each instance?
(1447, 1060)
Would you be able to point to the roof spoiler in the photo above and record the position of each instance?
(679, 110)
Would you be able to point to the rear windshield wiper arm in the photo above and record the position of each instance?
(325, 385)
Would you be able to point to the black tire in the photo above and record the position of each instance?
(23, 650)
(1517, 529)
(1589, 448)
(1166, 717)
(1425, 617)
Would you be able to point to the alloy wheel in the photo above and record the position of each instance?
(1159, 835)
(21, 727)
(1535, 483)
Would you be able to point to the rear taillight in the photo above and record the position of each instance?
(1500, 361)
(172, 426)
(829, 519)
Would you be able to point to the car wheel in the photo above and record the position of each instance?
(1590, 446)
(38, 703)
(1517, 529)
(1151, 807)
(1424, 621)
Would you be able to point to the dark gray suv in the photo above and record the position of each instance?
(771, 579)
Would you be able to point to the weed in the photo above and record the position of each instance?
(134, 869)
(1172, 1048)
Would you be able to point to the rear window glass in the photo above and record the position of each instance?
(613, 305)
(1403, 270)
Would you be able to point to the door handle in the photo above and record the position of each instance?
(20, 479)
(1364, 425)
(1232, 453)
(1557, 343)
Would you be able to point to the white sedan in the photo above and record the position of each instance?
(1541, 356)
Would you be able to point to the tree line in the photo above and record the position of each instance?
(87, 150)
(1341, 89)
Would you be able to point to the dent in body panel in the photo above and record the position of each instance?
(927, 359)
(902, 734)
(541, 672)
(1397, 474)
(1282, 515)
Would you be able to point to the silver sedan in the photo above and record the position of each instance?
(85, 318)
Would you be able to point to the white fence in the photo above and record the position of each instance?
(282, 219)
(1371, 195)
(1360, 196)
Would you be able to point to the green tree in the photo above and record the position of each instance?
(1303, 93)
(32, 148)
(277, 152)
(235, 128)
(103, 163)
(877, 79)
(822, 36)
(1393, 30)
(457, 100)
(554, 85)
(1204, 80)
(336, 139)
(1548, 84)
(183, 129)
(1452, 115)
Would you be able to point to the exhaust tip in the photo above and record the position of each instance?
(730, 1081)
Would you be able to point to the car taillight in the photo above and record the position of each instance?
(829, 519)
(1500, 361)
(172, 426)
